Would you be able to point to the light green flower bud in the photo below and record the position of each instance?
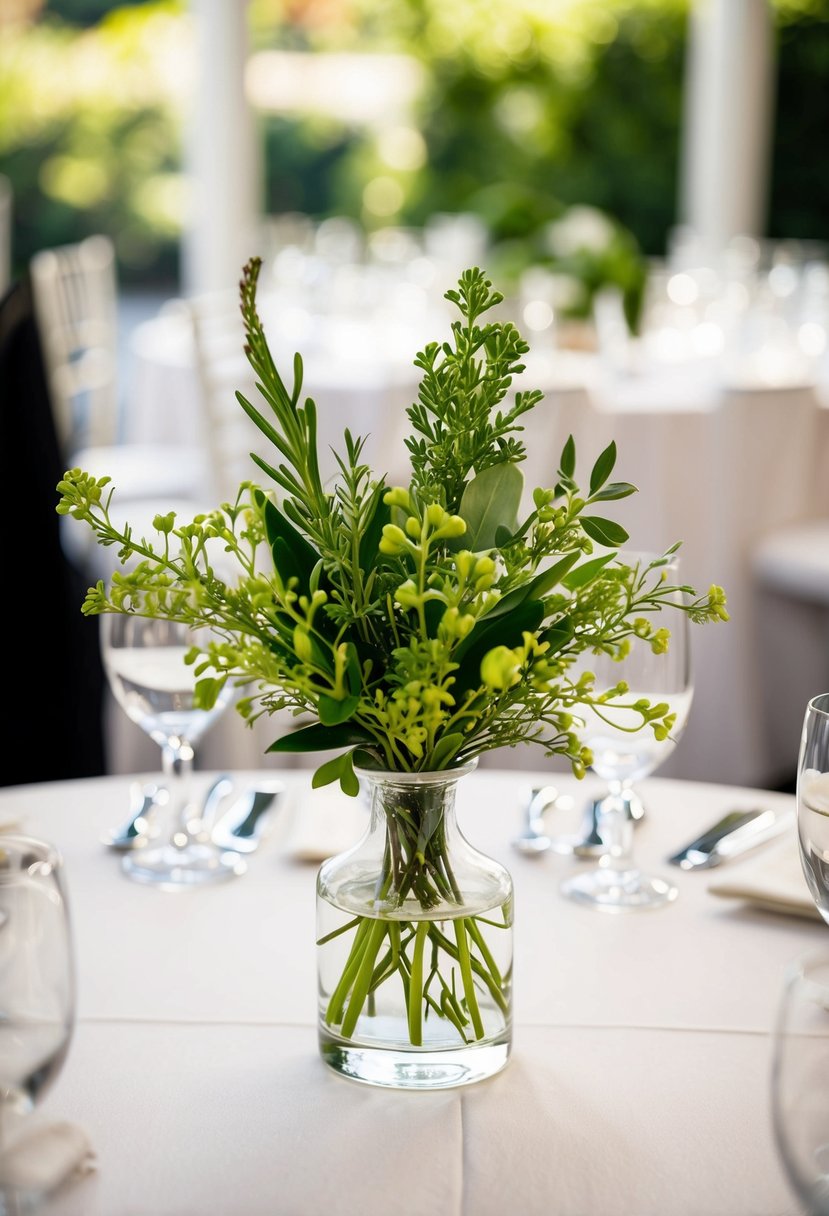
(397, 497)
(393, 540)
(454, 526)
(164, 523)
(302, 644)
(412, 528)
(407, 594)
(499, 668)
(436, 517)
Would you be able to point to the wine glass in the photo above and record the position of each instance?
(800, 1081)
(37, 982)
(144, 662)
(625, 751)
(813, 801)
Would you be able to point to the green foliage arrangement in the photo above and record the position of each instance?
(418, 626)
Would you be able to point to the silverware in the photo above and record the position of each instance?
(534, 840)
(141, 825)
(243, 825)
(217, 792)
(737, 832)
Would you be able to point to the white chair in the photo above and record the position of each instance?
(75, 297)
(794, 561)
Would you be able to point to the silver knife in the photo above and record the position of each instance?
(734, 834)
(243, 825)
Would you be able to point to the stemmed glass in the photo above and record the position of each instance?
(813, 801)
(800, 1081)
(800, 1068)
(37, 984)
(144, 662)
(624, 752)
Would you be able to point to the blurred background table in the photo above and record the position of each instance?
(718, 468)
(641, 1072)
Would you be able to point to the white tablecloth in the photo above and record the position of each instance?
(639, 1081)
(716, 470)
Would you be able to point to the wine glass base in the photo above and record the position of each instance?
(177, 869)
(619, 890)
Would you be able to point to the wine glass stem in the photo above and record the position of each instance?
(615, 827)
(177, 763)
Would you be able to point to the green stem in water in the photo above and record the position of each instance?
(416, 986)
(359, 992)
(467, 978)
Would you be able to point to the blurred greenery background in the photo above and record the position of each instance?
(524, 109)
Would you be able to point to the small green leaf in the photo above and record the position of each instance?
(332, 712)
(613, 491)
(379, 514)
(341, 769)
(558, 635)
(568, 458)
(503, 536)
(206, 692)
(603, 531)
(490, 501)
(320, 738)
(506, 630)
(603, 467)
(536, 587)
(445, 750)
(583, 574)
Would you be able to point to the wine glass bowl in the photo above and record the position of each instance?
(800, 1081)
(813, 801)
(144, 660)
(37, 984)
(625, 749)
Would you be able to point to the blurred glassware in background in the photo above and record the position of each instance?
(813, 801)
(800, 1082)
(37, 984)
(754, 317)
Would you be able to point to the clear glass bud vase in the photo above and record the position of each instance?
(414, 931)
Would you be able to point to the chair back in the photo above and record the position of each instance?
(75, 297)
(5, 233)
(221, 366)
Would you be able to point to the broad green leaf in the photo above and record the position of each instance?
(320, 738)
(445, 750)
(379, 514)
(536, 587)
(339, 769)
(603, 531)
(582, 575)
(353, 671)
(303, 555)
(333, 712)
(491, 499)
(613, 491)
(206, 692)
(603, 467)
(568, 457)
(507, 630)
(558, 635)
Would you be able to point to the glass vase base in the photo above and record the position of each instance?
(179, 869)
(619, 890)
(397, 1068)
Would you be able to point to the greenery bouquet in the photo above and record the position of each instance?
(417, 626)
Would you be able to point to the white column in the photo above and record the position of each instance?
(222, 153)
(729, 94)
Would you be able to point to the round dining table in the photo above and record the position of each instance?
(639, 1081)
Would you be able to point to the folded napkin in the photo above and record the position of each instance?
(45, 1156)
(772, 880)
(325, 822)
